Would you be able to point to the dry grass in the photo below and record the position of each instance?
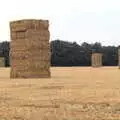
(74, 93)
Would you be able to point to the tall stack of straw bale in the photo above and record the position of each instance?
(30, 49)
(96, 60)
(2, 62)
(119, 57)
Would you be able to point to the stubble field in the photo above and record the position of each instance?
(72, 93)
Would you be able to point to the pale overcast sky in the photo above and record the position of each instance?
(71, 20)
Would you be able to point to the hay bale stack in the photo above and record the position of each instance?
(119, 58)
(96, 60)
(30, 49)
(2, 62)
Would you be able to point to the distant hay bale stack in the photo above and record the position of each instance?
(30, 49)
(2, 62)
(119, 58)
(96, 59)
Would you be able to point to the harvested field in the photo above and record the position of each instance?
(72, 93)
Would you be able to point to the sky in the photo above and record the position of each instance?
(70, 20)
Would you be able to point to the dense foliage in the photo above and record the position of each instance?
(72, 54)
(4, 51)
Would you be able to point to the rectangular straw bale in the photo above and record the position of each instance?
(96, 59)
(2, 62)
(19, 55)
(39, 66)
(30, 49)
(119, 58)
(40, 46)
(18, 27)
(37, 33)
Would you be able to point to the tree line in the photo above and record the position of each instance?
(65, 53)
